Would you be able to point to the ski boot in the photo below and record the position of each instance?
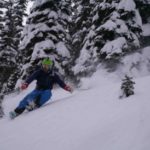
(13, 115)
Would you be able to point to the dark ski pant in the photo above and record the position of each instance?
(40, 97)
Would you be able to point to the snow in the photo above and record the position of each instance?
(52, 15)
(33, 30)
(109, 25)
(127, 5)
(81, 62)
(137, 64)
(138, 19)
(38, 3)
(114, 47)
(91, 118)
(146, 29)
(39, 48)
(105, 5)
(95, 17)
(84, 56)
(115, 24)
(62, 50)
(35, 13)
(29, 6)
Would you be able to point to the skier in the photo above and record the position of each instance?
(45, 77)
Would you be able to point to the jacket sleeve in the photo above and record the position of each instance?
(32, 77)
(59, 81)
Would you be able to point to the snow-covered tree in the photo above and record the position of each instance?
(1, 19)
(116, 31)
(1, 28)
(19, 13)
(7, 48)
(19, 9)
(120, 29)
(46, 35)
(11, 34)
(127, 87)
(82, 22)
(144, 9)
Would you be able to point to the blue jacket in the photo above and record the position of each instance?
(45, 80)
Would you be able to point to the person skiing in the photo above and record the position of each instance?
(46, 78)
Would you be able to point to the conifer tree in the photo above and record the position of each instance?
(127, 86)
(1, 19)
(82, 22)
(10, 35)
(19, 9)
(7, 48)
(46, 35)
(19, 13)
(120, 29)
(144, 9)
(116, 31)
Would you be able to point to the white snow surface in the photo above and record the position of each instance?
(91, 118)
(146, 29)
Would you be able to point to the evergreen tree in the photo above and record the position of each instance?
(144, 9)
(127, 87)
(10, 36)
(19, 8)
(7, 47)
(82, 22)
(120, 28)
(46, 35)
(1, 28)
(1, 20)
(116, 31)
(19, 13)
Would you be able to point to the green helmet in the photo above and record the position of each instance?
(47, 61)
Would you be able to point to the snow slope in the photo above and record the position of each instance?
(92, 118)
(146, 29)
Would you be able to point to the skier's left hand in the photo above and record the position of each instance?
(68, 88)
(24, 86)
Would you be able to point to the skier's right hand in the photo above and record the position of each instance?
(68, 88)
(24, 86)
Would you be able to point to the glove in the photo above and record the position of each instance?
(24, 86)
(68, 88)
